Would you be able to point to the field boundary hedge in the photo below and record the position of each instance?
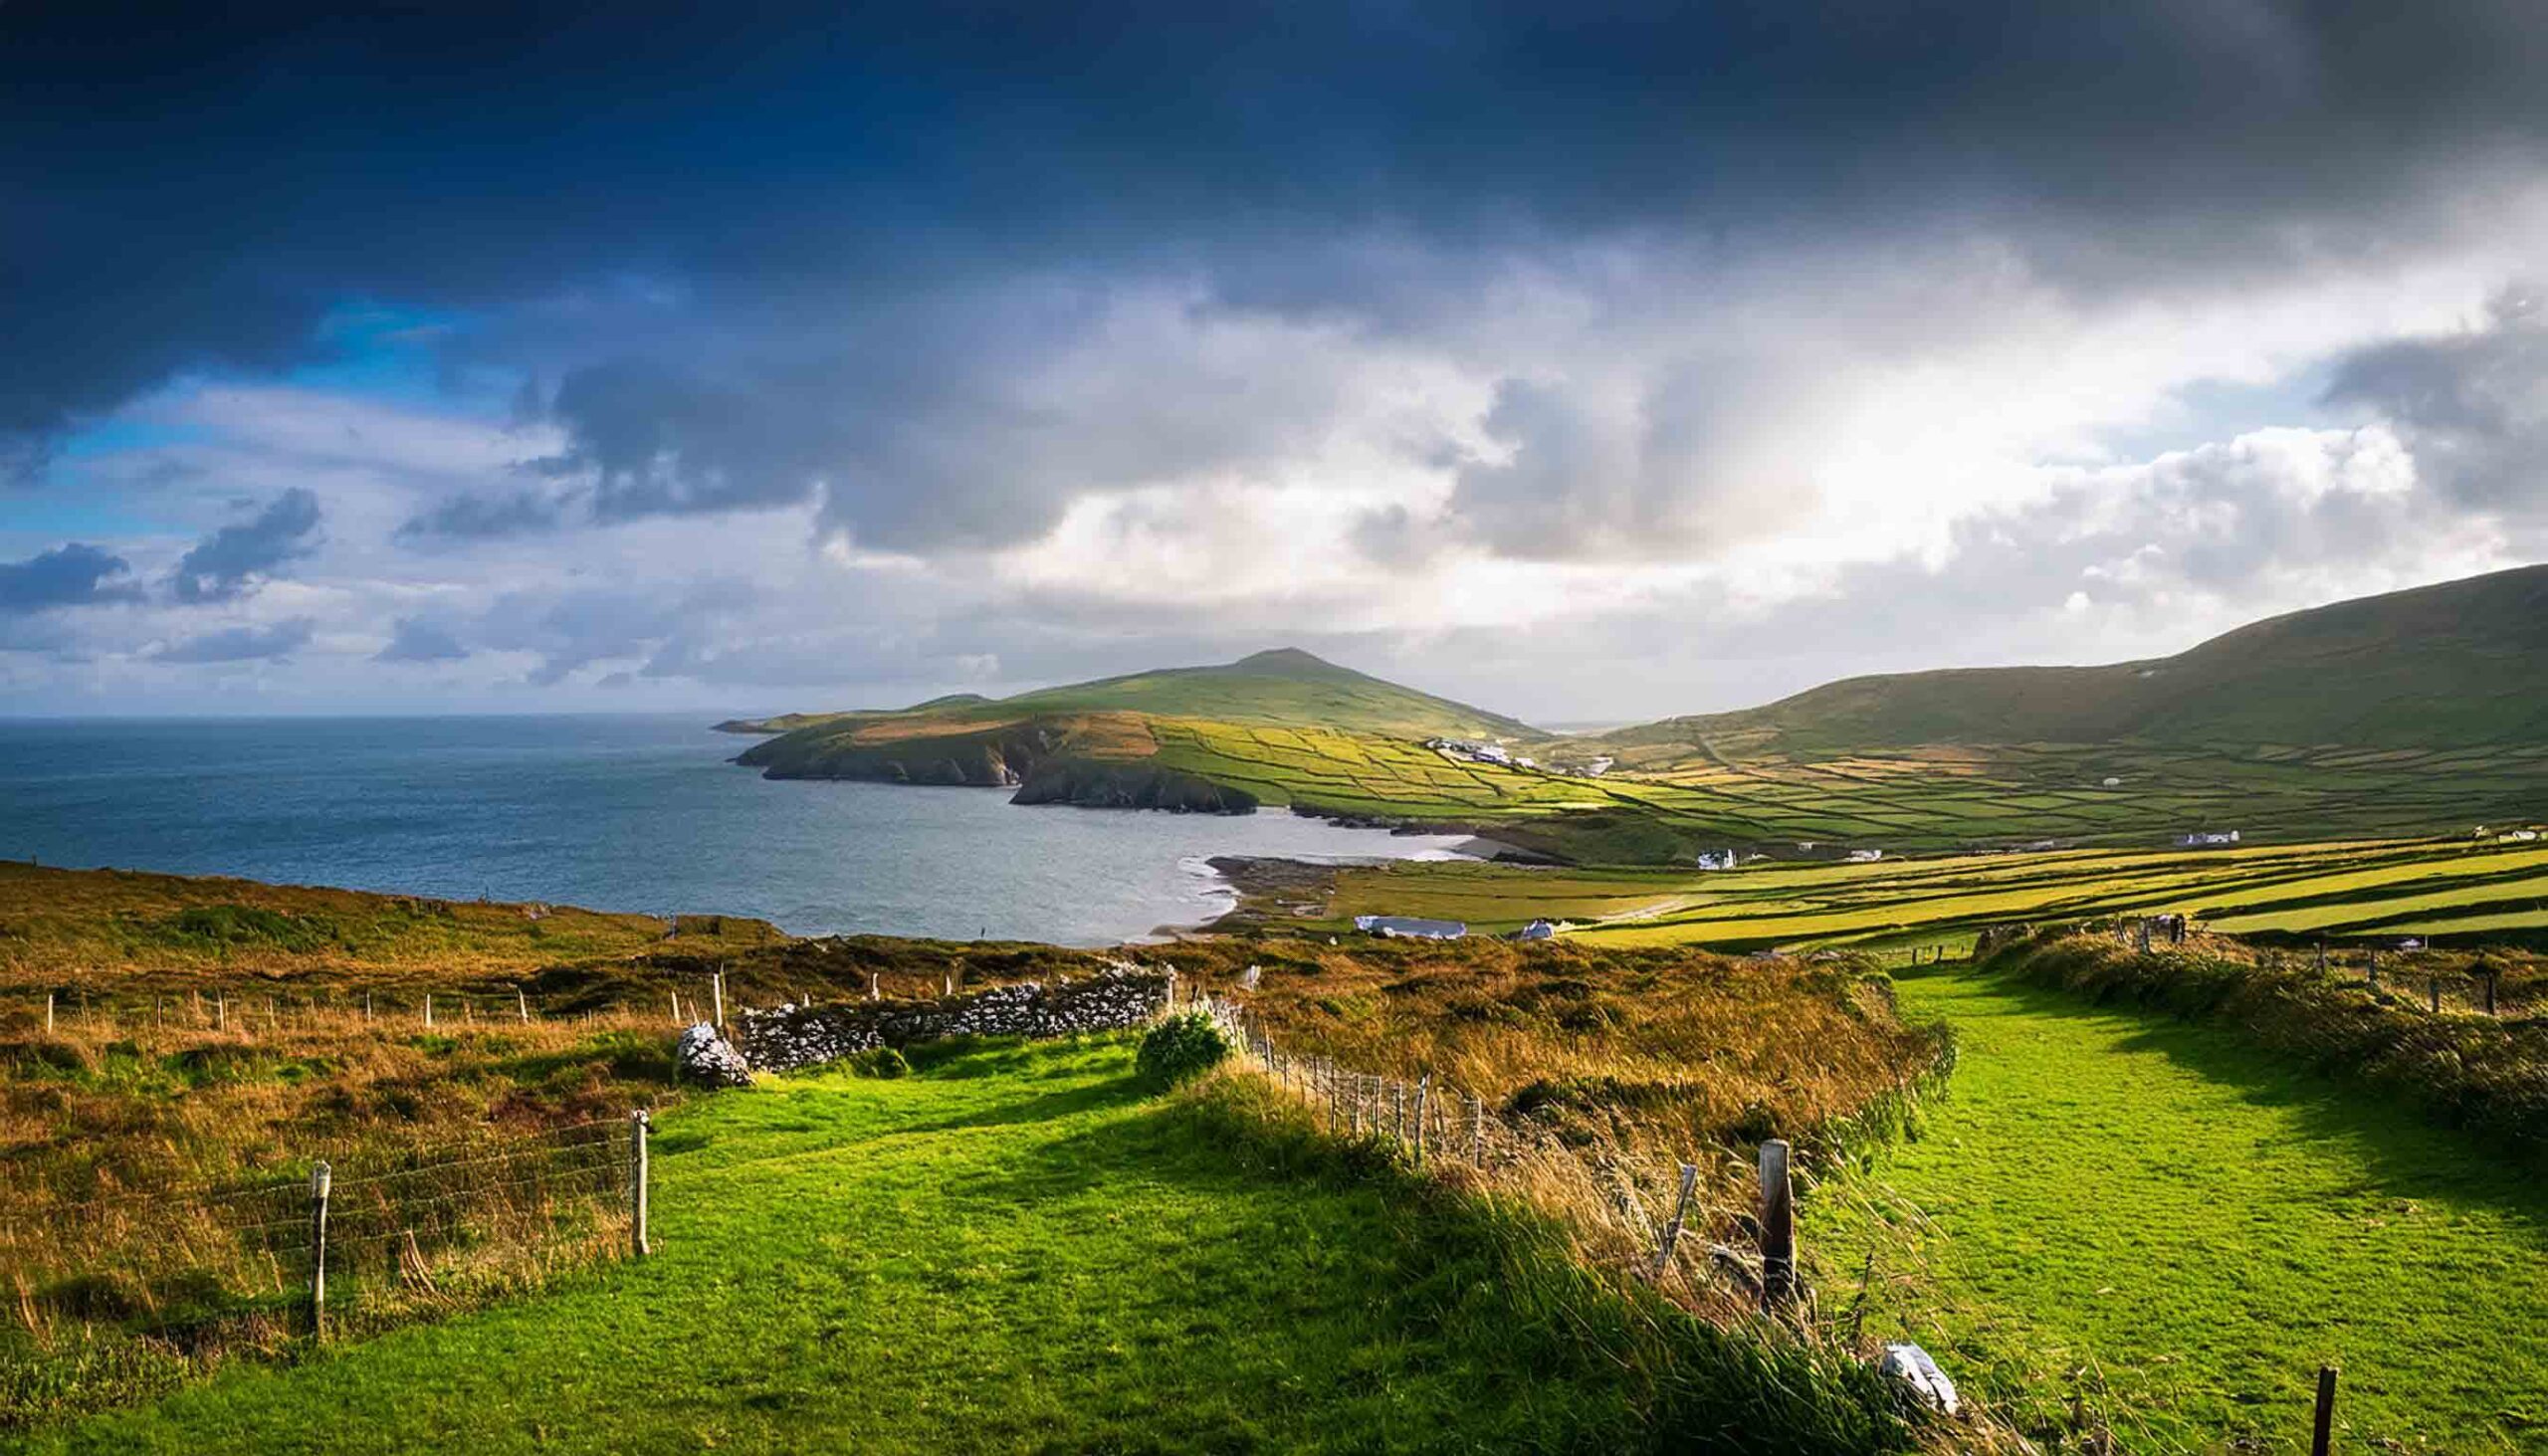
(2482, 1074)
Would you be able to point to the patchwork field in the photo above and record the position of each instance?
(2347, 889)
(1670, 801)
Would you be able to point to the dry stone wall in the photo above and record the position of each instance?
(784, 1038)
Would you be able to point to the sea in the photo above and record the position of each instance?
(624, 813)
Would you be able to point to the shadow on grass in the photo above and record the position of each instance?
(1410, 1271)
(2407, 1154)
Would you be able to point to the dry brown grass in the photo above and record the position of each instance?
(153, 1171)
(120, 931)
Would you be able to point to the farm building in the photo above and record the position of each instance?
(2209, 838)
(1536, 931)
(1866, 856)
(1409, 925)
(1712, 859)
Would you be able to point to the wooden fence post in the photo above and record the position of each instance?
(1477, 1130)
(1778, 1227)
(716, 984)
(366, 1005)
(638, 1243)
(319, 1181)
(220, 1013)
(1671, 1234)
(48, 1013)
(2435, 990)
(2322, 1429)
(2490, 992)
(1423, 1090)
(429, 1008)
(523, 1004)
(2371, 970)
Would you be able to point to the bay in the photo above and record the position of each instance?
(634, 813)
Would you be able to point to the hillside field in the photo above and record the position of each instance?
(2339, 891)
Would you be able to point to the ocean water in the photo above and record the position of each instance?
(634, 813)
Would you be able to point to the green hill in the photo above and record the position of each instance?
(1098, 743)
(2454, 665)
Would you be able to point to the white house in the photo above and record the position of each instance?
(1712, 859)
(2209, 838)
(1866, 856)
(1410, 927)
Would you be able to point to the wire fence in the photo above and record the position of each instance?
(367, 1237)
(1717, 1233)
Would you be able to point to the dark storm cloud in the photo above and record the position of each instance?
(415, 639)
(227, 563)
(483, 516)
(67, 576)
(243, 644)
(198, 191)
(2472, 406)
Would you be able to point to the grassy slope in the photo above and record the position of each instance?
(2452, 664)
(2197, 1228)
(1017, 1253)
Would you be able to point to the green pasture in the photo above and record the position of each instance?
(2377, 886)
(2153, 1220)
(1021, 1249)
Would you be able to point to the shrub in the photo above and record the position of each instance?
(1181, 1048)
(879, 1062)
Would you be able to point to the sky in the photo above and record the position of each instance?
(1588, 362)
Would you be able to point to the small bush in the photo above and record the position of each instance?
(881, 1062)
(1183, 1048)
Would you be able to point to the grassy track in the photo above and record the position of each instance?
(2150, 1208)
(1017, 1251)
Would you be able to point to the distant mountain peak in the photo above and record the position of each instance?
(1286, 659)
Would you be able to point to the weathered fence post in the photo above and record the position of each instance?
(1671, 1234)
(2371, 970)
(220, 1013)
(2322, 958)
(319, 1181)
(523, 1004)
(429, 1008)
(2322, 1429)
(366, 1005)
(638, 1123)
(717, 985)
(1477, 1130)
(1423, 1090)
(2435, 990)
(2490, 990)
(48, 1013)
(1778, 1227)
(676, 999)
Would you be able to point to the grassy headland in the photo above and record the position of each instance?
(2405, 714)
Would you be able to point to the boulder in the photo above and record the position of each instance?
(1921, 1378)
(710, 1060)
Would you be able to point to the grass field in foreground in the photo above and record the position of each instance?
(2374, 888)
(2155, 1214)
(1018, 1252)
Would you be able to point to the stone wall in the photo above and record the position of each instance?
(784, 1038)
